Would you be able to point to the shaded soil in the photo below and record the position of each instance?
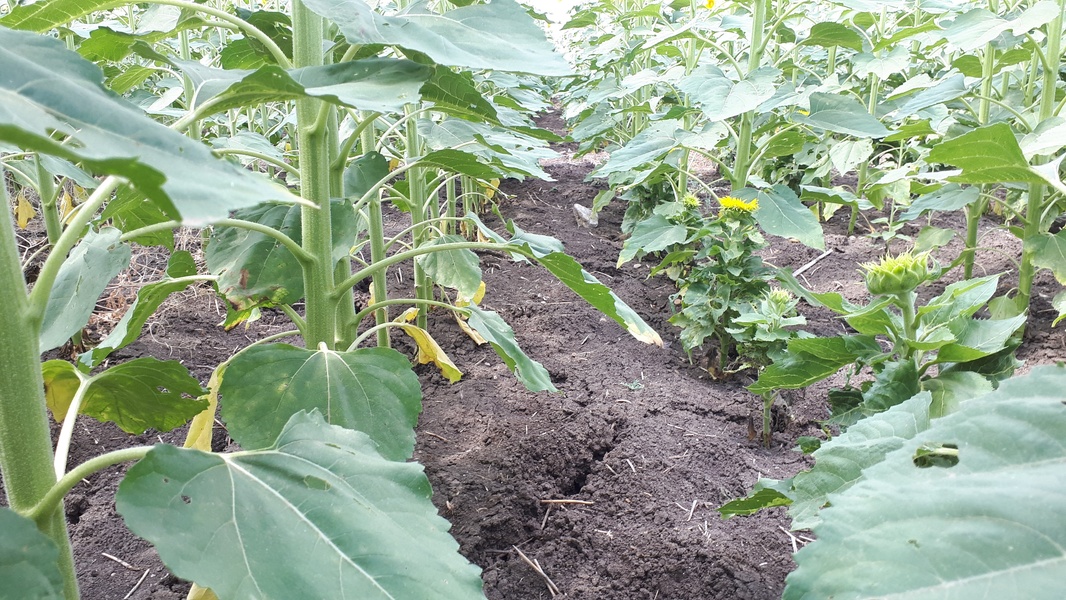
(610, 485)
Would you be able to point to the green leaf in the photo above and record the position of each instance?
(840, 462)
(830, 34)
(380, 84)
(781, 213)
(517, 153)
(653, 234)
(149, 298)
(549, 253)
(28, 560)
(1049, 252)
(1059, 304)
(456, 269)
(978, 339)
(945, 90)
(932, 238)
(960, 299)
(989, 526)
(843, 114)
(130, 210)
(758, 500)
(987, 155)
(254, 268)
(949, 198)
(372, 390)
(572, 275)
(364, 174)
(809, 360)
(141, 394)
(457, 161)
(721, 98)
(499, 334)
(896, 382)
(53, 101)
(498, 36)
(318, 514)
(882, 64)
(647, 148)
(849, 154)
(91, 265)
(456, 94)
(949, 390)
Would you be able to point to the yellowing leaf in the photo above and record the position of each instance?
(460, 301)
(66, 206)
(490, 189)
(394, 163)
(24, 210)
(407, 316)
(468, 330)
(431, 352)
(200, 430)
(61, 382)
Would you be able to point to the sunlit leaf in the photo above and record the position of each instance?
(28, 560)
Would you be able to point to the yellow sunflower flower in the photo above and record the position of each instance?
(710, 5)
(731, 203)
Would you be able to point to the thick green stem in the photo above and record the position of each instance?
(25, 443)
(742, 166)
(1037, 193)
(905, 303)
(313, 143)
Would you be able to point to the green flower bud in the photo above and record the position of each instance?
(895, 275)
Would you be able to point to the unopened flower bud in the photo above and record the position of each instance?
(895, 275)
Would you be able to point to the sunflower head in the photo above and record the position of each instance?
(710, 5)
(894, 275)
(690, 201)
(731, 203)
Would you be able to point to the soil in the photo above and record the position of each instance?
(606, 490)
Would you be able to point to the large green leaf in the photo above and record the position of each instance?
(830, 34)
(381, 84)
(28, 560)
(948, 198)
(318, 514)
(647, 148)
(149, 298)
(456, 269)
(53, 101)
(781, 213)
(979, 338)
(141, 394)
(498, 36)
(840, 461)
(129, 210)
(882, 64)
(455, 93)
(721, 98)
(990, 526)
(255, 268)
(91, 265)
(654, 234)
(809, 360)
(987, 155)
(843, 114)
(372, 390)
(519, 153)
